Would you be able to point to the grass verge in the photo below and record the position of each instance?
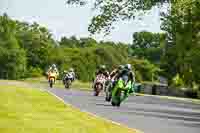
(27, 110)
(76, 84)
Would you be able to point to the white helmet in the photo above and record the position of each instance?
(128, 66)
(71, 69)
(54, 65)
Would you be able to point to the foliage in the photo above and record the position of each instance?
(181, 52)
(34, 72)
(86, 60)
(175, 53)
(13, 63)
(111, 11)
(12, 57)
(145, 70)
(27, 50)
(183, 47)
(147, 45)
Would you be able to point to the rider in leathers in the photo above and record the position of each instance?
(116, 71)
(53, 69)
(102, 70)
(71, 72)
(127, 72)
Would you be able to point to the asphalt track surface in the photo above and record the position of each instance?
(146, 113)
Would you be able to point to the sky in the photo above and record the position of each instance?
(64, 20)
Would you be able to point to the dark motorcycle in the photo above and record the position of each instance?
(67, 80)
(108, 90)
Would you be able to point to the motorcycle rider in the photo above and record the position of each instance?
(70, 72)
(53, 69)
(128, 75)
(127, 71)
(110, 83)
(116, 71)
(102, 70)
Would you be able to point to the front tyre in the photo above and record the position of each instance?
(51, 83)
(96, 93)
(97, 89)
(116, 99)
(108, 97)
(113, 103)
(67, 84)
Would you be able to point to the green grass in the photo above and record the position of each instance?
(26, 110)
(75, 85)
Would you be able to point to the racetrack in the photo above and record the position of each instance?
(146, 113)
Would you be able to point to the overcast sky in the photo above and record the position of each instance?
(63, 20)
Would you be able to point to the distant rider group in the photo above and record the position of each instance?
(117, 85)
(68, 76)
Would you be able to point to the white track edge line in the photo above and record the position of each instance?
(94, 115)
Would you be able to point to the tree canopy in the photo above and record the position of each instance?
(181, 49)
(111, 11)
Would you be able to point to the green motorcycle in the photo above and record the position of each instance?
(121, 91)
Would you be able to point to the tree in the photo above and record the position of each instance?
(111, 11)
(12, 57)
(37, 41)
(183, 48)
(71, 42)
(87, 42)
(145, 70)
(148, 45)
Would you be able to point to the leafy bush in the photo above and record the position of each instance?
(13, 63)
(145, 70)
(34, 72)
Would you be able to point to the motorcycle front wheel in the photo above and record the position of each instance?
(108, 95)
(97, 89)
(67, 84)
(51, 83)
(116, 100)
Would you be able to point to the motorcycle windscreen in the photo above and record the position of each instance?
(69, 76)
(125, 79)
